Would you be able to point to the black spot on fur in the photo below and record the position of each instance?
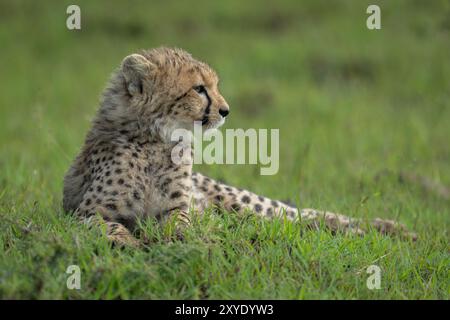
(128, 222)
(258, 207)
(288, 203)
(175, 194)
(111, 206)
(246, 199)
(235, 207)
(274, 203)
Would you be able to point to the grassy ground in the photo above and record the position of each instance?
(363, 118)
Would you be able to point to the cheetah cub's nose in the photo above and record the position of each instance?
(224, 112)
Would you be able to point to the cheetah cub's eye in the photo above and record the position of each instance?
(199, 89)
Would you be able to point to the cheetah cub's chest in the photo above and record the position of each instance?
(166, 182)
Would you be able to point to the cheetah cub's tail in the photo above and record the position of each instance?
(210, 192)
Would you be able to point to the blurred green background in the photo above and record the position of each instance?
(356, 108)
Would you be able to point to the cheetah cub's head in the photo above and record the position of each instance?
(169, 89)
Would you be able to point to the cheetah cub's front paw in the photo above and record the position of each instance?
(124, 241)
(121, 237)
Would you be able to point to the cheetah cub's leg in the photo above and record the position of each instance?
(231, 198)
(116, 196)
(177, 188)
(121, 197)
(238, 200)
(116, 232)
(179, 214)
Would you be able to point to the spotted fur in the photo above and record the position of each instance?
(124, 171)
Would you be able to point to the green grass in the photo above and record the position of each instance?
(355, 109)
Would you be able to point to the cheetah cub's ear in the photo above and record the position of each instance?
(135, 68)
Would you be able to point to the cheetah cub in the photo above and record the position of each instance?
(124, 171)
